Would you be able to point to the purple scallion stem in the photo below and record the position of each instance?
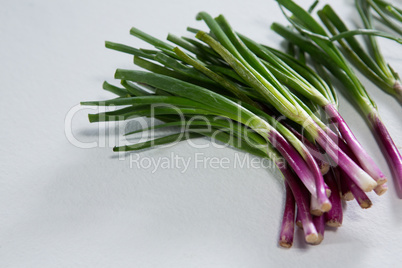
(319, 222)
(359, 176)
(359, 195)
(288, 221)
(313, 149)
(294, 159)
(302, 200)
(346, 193)
(298, 220)
(306, 169)
(322, 203)
(344, 147)
(334, 217)
(315, 207)
(366, 162)
(389, 148)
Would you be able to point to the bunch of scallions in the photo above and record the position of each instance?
(312, 38)
(265, 102)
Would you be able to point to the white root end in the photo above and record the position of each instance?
(319, 240)
(324, 169)
(328, 192)
(381, 181)
(333, 223)
(311, 238)
(381, 189)
(316, 212)
(326, 207)
(365, 204)
(285, 244)
(348, 196)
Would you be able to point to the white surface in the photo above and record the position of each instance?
(62, 206)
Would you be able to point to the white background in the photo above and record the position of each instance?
(64, 206)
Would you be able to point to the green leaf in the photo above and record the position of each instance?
(115, 90)
(157, 142)
(276, 98)
(229, 85)
(210, 99)
(150, 39)
(128, 50)
(145, 110)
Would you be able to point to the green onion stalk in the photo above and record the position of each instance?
(314, 40)
(373, 67)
